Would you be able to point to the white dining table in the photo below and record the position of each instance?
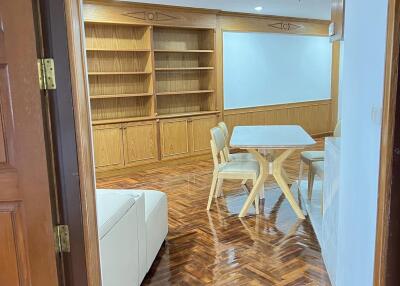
(264, 142)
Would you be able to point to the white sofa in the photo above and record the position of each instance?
(132, 224)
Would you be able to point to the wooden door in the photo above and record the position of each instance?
(174, 138)
(140, 141)
(27, 250)
(108, 146)
(200, 133)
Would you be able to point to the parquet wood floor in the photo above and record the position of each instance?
(218, 248)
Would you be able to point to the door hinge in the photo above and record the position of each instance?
(47, 75)
(61, 236)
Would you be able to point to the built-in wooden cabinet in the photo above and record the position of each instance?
(186, 136)
(121, 145)
(140, 140)
(151, 83)
(108, 146)
(174, 135)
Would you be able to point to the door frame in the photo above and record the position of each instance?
(387, 144)
(75, 28)
(81, 105)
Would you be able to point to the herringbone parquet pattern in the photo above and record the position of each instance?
(218, 248)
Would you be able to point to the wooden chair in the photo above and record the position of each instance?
(244, 156)
(314, 157)
(240, 170)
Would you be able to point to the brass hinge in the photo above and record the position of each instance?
(61, 236)
(47, 75)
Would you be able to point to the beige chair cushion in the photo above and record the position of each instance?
(242, 169)
(242, 157)
(318, 168)
(312, 156)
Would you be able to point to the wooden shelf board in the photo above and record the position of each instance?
(117, 50)
(119, 73)
(122, 120)
(183, 51)
(185, 92)
(186, 114)
(184, 69)
(120, 95)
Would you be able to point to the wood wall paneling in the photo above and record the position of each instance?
(314, 117)
(335, 83)
(337, 16)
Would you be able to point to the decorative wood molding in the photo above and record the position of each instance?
(155, 16)
(140, 14)
(286, 26)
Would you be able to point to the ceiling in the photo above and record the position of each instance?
(313, 9)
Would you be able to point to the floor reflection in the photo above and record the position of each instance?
(218, 248)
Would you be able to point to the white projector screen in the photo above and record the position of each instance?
(266, 69)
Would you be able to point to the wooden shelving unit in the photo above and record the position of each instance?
(158, 81)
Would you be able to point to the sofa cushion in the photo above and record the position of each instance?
(111, 207)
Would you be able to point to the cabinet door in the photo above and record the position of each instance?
(174, 138)
(140, 142)
(108, 146)
(200, 133)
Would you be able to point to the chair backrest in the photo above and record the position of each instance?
(217, 143)
(337, 131)
(225, 131)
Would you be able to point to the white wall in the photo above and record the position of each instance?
(361, 99)
(266, 68)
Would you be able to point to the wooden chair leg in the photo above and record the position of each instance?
(311, 177)
(257, 203)
(301, 171)
(218, 192)
(212, 190)
(262, 195)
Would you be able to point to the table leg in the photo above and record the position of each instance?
(258, 184)
(279, 177)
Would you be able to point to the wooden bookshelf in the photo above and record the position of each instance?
(151, 80)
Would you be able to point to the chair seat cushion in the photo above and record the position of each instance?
(244, 168)
(318, 168)
(312, 155)
(242, 157)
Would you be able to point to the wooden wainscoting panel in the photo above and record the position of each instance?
(200, 133)
(108, 146)
(127, 13)
(140, 140)
(314, 117)
(174, 138)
